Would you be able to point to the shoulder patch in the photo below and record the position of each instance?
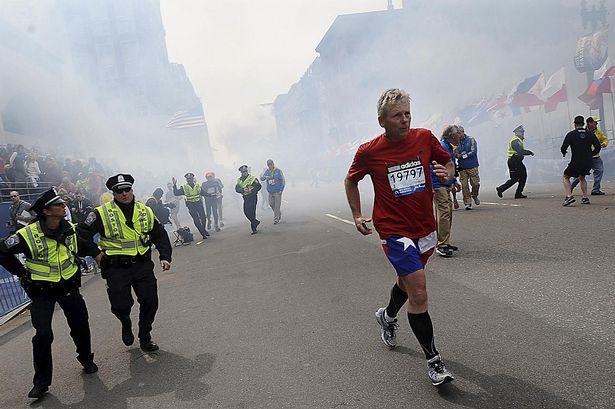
(12, 241)
(90, 219)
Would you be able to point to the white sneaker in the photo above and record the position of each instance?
(476, 201)
(437, 372)
(388, 329)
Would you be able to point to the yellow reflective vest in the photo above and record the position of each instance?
(247, 182)
(511, 151)
(193, 193)
(50, 260)
(119, 239)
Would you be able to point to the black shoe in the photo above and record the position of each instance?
(497, 189)
(149, 346)
(598, 193)
(520, 196)
(254, 231)
(451, 247)
(444, 252)
(38, 391)
(127, 337)
(206, 233)
(90, 367)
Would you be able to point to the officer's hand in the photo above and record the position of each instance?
(165, 265)
(361, 225)
(531, 153)
(457, 186)
(98, 258)
(26, 283)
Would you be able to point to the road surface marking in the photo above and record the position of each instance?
(340, 219)
(500, 204)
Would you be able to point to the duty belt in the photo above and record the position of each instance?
(128, 260)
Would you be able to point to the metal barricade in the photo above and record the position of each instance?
(12, 296)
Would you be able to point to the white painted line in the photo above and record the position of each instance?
(340, 219)
(500, 204)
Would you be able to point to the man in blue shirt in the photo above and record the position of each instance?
(467, 162)
(274, 179)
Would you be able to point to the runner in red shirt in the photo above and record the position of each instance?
(398, 162)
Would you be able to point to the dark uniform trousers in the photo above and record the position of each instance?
(518, 173)
(41, 311)
(249, 209)
(140, 277)
(197, 212)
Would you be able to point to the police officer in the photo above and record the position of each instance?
(248, 186)
(51, 275)
(516, 168)
(194, 203)
(127, 230)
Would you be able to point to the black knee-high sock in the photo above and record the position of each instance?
(398, 299)
(423, 331)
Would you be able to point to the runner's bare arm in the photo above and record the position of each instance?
(354, 201)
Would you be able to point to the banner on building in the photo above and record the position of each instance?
(592, 51)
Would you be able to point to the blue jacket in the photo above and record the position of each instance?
(435, 181)
(467, 153)
(275, 180)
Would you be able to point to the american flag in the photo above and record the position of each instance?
(192, 118)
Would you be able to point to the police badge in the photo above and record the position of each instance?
(11, 241)
(90, 219)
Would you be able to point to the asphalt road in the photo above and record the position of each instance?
(524, 316)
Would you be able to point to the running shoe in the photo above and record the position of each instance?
(388, 329)
(585, 200)
(451, 247)
(520, 196)
(497, 189)
(469, 207)
(597, 193)
(476, 201)
(568, 201)
(455, 204)
(437, 371)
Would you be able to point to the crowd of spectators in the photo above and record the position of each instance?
(80, 182)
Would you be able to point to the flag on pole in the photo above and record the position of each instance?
(527, 92)
(192, 118)
(594, 91)
(555, 90)
(499, 109)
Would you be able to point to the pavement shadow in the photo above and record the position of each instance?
(497, 390)
(150, 375)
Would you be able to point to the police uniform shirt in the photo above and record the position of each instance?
(93, 224)
(15, 244)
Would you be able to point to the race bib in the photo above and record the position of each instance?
(271, 181)
(406, 178)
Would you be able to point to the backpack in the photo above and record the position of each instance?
(184, 235)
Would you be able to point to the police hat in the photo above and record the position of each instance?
(592, 119)
(189, 175)
(519, 129)
(48, 198)
(120, 181)
(243, 168)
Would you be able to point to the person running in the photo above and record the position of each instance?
(248, 186)
(583, 145)
(516, 168)
(398, 162)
